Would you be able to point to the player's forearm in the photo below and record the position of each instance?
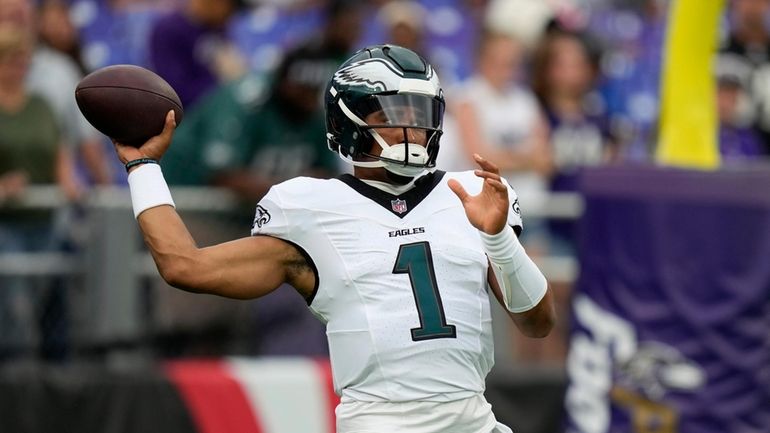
(171, 245)
(245, 268)
(522, 287)
(534, 323)
(539, 321)
(523, 284)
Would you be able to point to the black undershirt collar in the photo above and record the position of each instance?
(399, 205)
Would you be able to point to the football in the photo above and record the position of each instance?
(127, 103)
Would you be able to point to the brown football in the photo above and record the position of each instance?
(127, 103)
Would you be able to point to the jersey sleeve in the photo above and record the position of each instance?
(270, 217)
(514, 210)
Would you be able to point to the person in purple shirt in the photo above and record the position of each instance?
(190, 49)
(738, 138)
(565, 74)
(745, 54)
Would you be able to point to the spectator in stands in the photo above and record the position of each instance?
(30, 146)
(55, 72)
(335, 41)
(17, 12)
(56, 30)
(213, 130)
(738, 139)
(564, 75)
(749, 36)
(565, 71)
(248, 137)
(190, 49)
(633, 36)
(747, 52)
(223, 136)
(286, 134)
(404, 21)
(500, 118)
(54, 76)
(30, 153)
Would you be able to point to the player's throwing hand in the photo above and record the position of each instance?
(154, 148)
(488, 210)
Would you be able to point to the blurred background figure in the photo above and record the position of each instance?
(191, 50)
(332, 43)
(632, 34)
(58, 49)
(500, 118)
(56, 31)
(739, 140)
(261, 129)
(746, 56)
(523, 20)
(565, 73)
(494, 113)
(286, 135)
(313, 61)
(31, 153)
(404, 21)
(256, 131)
(564, 78)
(54, 74)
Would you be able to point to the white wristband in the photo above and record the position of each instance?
(501, 246)
(521, 282)
(148, 188)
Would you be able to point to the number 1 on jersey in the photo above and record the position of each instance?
(416, 260)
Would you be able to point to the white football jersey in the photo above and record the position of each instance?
(402, 283)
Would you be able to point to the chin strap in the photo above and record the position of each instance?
(521, 282)
(397, 155)
(396, 168)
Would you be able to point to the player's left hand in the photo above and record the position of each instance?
(487, 211)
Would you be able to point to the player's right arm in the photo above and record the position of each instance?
(244, 268)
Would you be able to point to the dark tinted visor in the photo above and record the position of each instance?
(403, 110)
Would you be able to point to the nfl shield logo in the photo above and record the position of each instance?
(398, 205)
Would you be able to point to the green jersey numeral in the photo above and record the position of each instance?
(416, 260)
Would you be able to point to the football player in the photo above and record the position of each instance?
(398, 259)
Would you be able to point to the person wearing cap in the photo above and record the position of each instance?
(739, 140)
(746, 52)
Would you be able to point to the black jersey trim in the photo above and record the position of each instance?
(310, 263)
(422, 188)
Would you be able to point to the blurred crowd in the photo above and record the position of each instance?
(543, 88)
